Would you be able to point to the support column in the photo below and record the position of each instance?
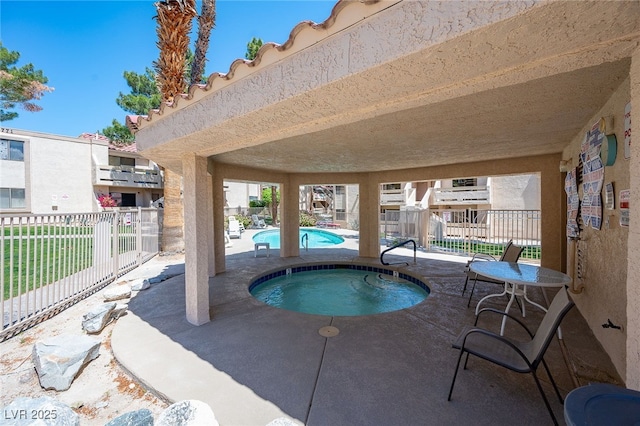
(211, 251)
(369, 217)
(553, 212)
(289, 219)
(633, 244)
(196, 220)
(217, 196)
(173, 222)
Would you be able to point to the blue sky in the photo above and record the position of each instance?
(83, 48)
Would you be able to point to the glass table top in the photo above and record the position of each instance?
(520, 273)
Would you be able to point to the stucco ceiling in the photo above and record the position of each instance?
(532, 118)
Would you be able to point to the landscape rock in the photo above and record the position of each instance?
(25, 411)
(120, 310)
(116, 293)
(187, 413)
(58, 360)
(140, 285)
(97, 318)
(156, 280)
(142, 417)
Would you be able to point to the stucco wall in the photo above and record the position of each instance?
(61, 169)
(12, 174)
(238, 193)
(520, 192)
(633, 289)
(604, 251)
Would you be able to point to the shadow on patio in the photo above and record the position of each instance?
(253, 363)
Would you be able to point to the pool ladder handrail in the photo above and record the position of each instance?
(415, 247)
(302, 241)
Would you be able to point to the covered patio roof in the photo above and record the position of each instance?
(470, 81)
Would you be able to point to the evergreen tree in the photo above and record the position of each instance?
(252, 48)
(19, 86)
(118, 133)
(144, 97)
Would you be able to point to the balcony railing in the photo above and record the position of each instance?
(392, 197)
(127, 176)
(462, 195)
(466, 231)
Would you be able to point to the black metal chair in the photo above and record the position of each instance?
(521, 357)
(511, 253)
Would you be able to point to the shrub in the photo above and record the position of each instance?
(244, 220)
(107, 201)
(307, 220)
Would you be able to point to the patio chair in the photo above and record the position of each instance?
(521, 357)
(257, 222)
(240, 224)
(234, 229)
(511, 253)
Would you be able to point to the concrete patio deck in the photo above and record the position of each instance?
(254, 363)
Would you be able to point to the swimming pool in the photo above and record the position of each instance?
(316, 237)
(339, 289)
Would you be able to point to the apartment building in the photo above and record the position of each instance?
(46, 173)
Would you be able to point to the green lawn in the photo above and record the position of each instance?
(46, 254)
(529, 252)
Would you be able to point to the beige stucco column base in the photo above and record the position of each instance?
(217, 213)
(197, 192)
(369, 217)
(289, 220)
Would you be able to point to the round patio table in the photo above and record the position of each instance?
(517, 277)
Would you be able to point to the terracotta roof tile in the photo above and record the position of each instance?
(113, 146)
(123, 148)
(96, 136)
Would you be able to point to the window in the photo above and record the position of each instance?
(11, 150)
(464, 182)
(121, 161)
(128, 200)
(12, 198)
(391, 186)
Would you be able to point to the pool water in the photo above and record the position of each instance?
(339, 292)
(317, 238)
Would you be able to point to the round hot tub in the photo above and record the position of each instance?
(339, 289)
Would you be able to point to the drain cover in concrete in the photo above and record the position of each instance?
(328, 331)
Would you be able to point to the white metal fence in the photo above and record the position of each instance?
(466, 231)
(49, 262)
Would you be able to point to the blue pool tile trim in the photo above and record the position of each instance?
(367, 268)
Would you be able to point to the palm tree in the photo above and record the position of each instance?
(206, 22)
(174, 25)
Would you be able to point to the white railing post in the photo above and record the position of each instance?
(139, 237)
(115, 249)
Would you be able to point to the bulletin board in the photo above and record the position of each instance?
(592, 177)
